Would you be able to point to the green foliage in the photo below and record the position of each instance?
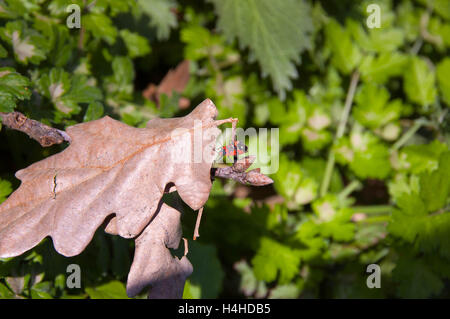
(442, 72)
(160, 14)
(207, 277)
(345, 55)
(272, 257)
(13, 87)
(274, 40)
(419, 82)
(111, 290)
(363, 178)
(5, 190)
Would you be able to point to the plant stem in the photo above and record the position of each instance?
(350, 188)
(373, 210)
(413, 129)
(375, 219)
(340, 131)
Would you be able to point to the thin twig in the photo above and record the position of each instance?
(340, 131)
(197, 223)
(186, 246)
(45, 135)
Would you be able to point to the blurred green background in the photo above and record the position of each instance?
(364, 174)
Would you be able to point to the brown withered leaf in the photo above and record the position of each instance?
(174, 81)
(112, 170)
(153, 264)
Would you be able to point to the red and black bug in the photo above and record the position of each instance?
(234, 150)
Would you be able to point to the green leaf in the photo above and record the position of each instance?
(93, 112)
(248, 283)
(288, 291)
(379, 69)
(276, 33)
(442, 73)
(383, 40)
(272, 258)
(412, 221)
(100, 26)
(111, 290)
(419, 82)
(415, 279)
(441, 32)
(120, 83)
(372, 108)
(442, 7)
(3, 52)
(372, 163)
(418, 158)
(13, 87)
(5, 190)
(81, 91)
(137, 45)
(368, 156)
(206, 279)
(5, 293)
(161, 15)
(435, 186)
(200, 42)
(42, 290)
(333, 219)
(346, 55)
(67, 92)
(28, 44)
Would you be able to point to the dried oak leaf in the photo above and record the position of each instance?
(109, 169)
(153, 264)
(174, 81)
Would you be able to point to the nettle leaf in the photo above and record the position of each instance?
(28, 45)
(13, 87)
(276, 41)
(419, 82)
(379, 69)
(161, 15)
(346, 55)
(372, 108)
(115, 173)
(273, 258)
(137, 45)
(442, 72)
